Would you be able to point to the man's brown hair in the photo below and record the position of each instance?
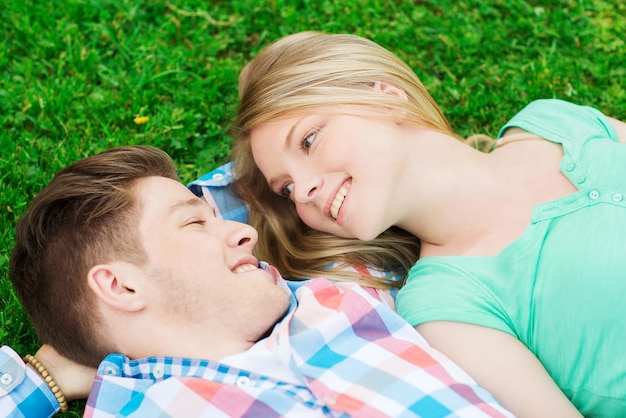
(87, 215)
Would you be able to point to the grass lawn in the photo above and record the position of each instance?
(75, 74)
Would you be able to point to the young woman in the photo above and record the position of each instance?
(520, 278)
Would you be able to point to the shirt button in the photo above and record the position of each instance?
(6, 379)
(218, 177)
(242, 381)
(110, 371)
(581, 179)
(570, 166)
(593, 195)
(617, 197)
(157, 372)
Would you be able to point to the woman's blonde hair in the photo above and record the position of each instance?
(310, 71)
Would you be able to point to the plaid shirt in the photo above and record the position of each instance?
(214, 186)
(348, 353)
(23, 393)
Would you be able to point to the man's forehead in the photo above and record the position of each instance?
(161, 193)
(161, 196)
(191, 202)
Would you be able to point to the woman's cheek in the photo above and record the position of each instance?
(314, 218)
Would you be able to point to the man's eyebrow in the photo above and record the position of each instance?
(191, 202)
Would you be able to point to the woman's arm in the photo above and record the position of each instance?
(503, 365)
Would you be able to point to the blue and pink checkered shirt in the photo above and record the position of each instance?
(347, 354)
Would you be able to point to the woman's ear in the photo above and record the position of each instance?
(390, 89)
(114, 286)
(399, 113)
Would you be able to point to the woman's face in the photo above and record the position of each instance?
(338, 169)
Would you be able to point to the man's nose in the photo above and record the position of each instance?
(239, 234)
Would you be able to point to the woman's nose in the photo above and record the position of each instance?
(306, 189)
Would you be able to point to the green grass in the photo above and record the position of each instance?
(75, 73)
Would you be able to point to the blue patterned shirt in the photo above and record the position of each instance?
(339, 352)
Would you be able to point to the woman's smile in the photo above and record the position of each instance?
(339, 198)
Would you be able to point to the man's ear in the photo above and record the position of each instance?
(113, 285)
(390, 89)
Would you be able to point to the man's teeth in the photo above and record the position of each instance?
(245, 267)
(338, 201)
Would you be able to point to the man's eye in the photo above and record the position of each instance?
(196, 222)
(286, 190)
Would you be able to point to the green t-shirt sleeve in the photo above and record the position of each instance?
(561, 121)
(440, 292)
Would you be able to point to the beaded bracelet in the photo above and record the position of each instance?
(52, 384)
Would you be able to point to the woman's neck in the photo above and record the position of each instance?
(452, 193)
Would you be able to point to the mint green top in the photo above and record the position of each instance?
(560, 288)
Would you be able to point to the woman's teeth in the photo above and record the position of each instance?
(338, 200)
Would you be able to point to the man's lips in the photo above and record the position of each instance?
(273, 271)
(337, 202)
(245, 264)
(248, 265)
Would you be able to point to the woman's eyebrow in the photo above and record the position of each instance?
(289, 137)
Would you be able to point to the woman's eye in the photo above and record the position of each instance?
(196, 222)
(307, 141)
(286, 190)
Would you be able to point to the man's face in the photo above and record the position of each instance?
(201, 269)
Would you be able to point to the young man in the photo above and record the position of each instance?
(116, 256)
